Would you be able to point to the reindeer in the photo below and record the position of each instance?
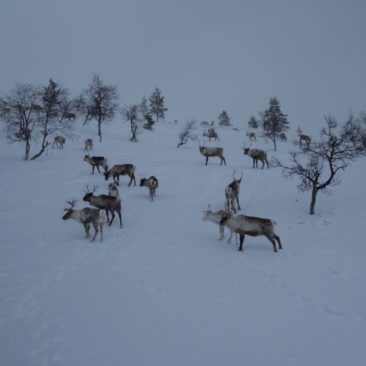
(282, 136)
(69, 115)
(88, 143)
(59, 141)
(122, 169)
(213, 151)
(251, 136)
(96, 161)
(113, 190)
(86, 216)
(105, 202)
(151, 183)
(211, 134)
(253, 226)
(256, 155)
(304, 141)
(216, 217)
(232, 193)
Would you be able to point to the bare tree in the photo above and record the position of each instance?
(131, 114)
(99, 102)
(186, 133)
(319, 165)
(55, 114)
(20, 111)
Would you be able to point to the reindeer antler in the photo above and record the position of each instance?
(72, 204)
(88, 190)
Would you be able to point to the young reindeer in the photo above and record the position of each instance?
(232, 193)
(59, 141)
(86, 216)
(105, 202)
(253, 226)
(96, 162)
(211, 152)
(113, 190)
(211, 134)
(151, 183)
(88, 145)
(256, 155)
(122, 169)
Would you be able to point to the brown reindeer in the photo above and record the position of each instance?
(96, 162)
(59, 142)
(105, 202)
(122, 169)
(256, 155)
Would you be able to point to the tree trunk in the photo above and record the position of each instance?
(314, 192)
(27, 150)
(100, 130)
(43, 145)
(43, 149)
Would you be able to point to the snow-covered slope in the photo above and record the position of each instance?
(164, 290)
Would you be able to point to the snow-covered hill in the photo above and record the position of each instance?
(164, 290)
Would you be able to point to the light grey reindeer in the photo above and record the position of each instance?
(211, 152)
(216, 217)
(87, 217)
(232, 193)
(88, 145)
(151, 183)
(253, 226)
(113, 190)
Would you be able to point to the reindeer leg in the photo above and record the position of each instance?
(242, 237)
(106, 211)
(278, 241)
(101, 232)
(98, 168)
(112, 218)
(120, 218)
(272, 241)
(237, 201)
(87, 228)
(96, 231)
(206, 160)
(221, 232)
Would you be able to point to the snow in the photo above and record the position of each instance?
(164, 290)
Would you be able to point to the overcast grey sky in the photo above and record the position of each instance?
(205, 56)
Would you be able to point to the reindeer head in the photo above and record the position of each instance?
(206, 214)
(246, 150)
(69, 210)
(89, 193)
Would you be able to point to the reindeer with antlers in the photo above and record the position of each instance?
(110, 204)
(86, 216)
